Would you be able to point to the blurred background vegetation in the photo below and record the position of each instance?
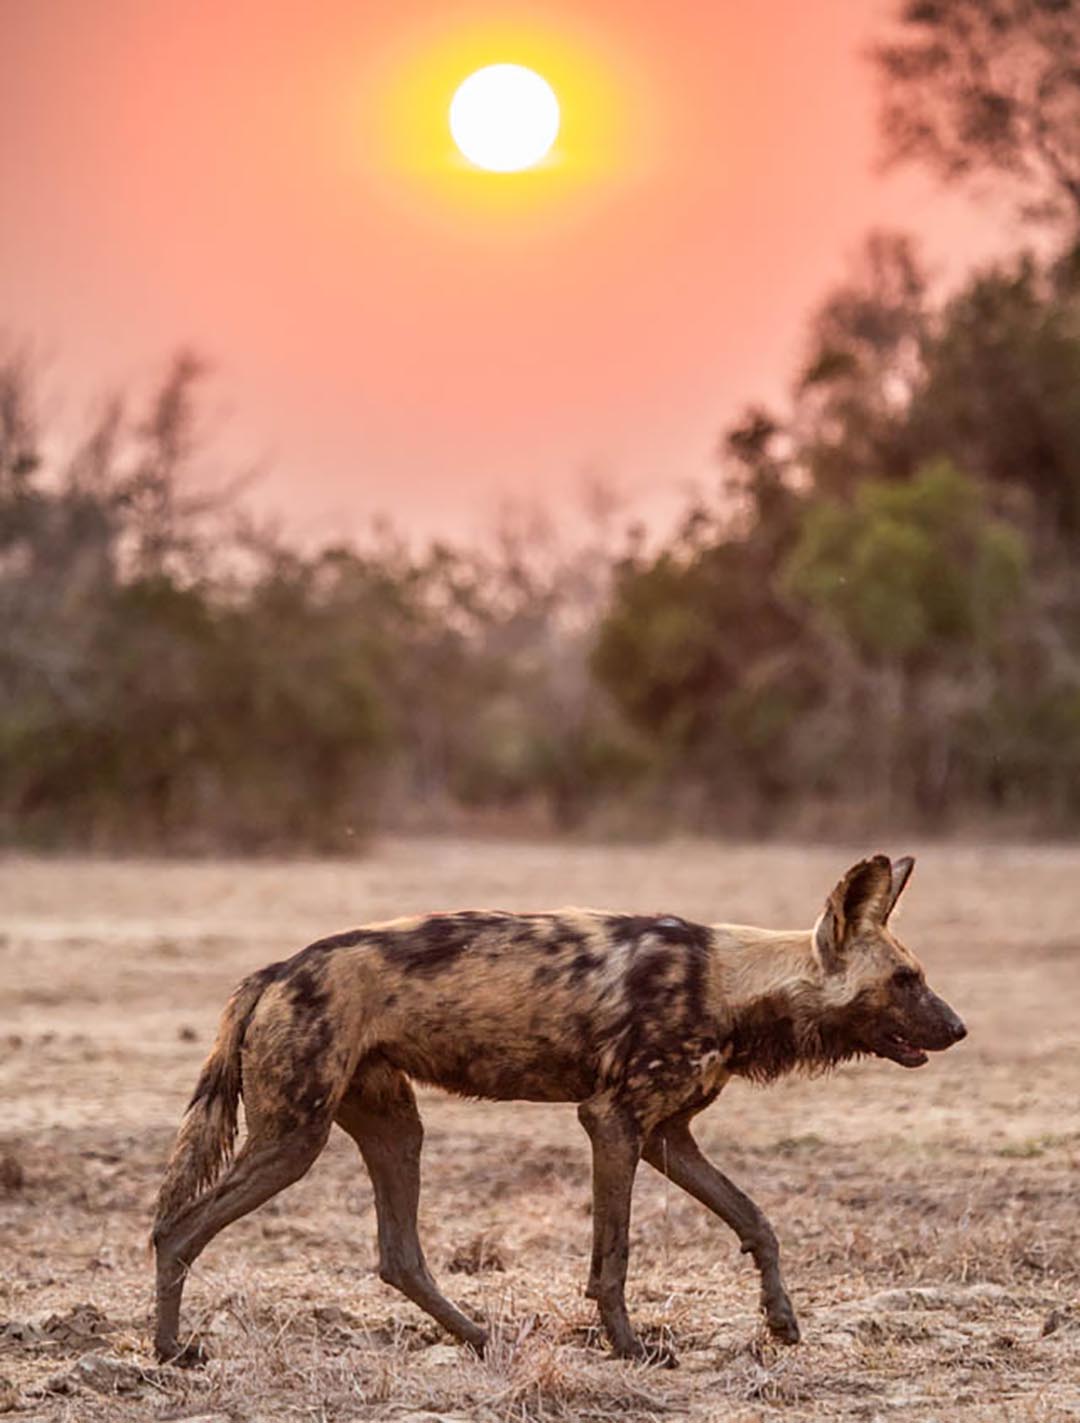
(874, 620)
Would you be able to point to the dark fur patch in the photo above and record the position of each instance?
(666, 980)
(581, 965)
(632, 928)
(485, 1070)
(306, 1088)
(563, 937)
(763, 1040)
(437, 942)
(525, 936)
(307, 993)
(654, 984)
(274, 972)
(310, 956)
(766, 1041)
(582, 1031)
(348, 940)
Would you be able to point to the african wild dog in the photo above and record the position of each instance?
(640, 1020)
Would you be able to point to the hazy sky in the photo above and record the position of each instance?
(270, 181)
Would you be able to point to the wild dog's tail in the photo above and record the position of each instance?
(204, 1143)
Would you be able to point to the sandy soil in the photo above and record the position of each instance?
(929, 1220)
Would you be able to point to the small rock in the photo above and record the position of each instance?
(80, 1325)
(56, 1383)
(105, 1373)
(187, 1034)
(22, 1332)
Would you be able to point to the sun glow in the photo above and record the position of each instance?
(563, 129)
(504, 118)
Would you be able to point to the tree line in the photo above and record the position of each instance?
(875, 614)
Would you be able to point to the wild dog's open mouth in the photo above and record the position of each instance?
(898, 1049)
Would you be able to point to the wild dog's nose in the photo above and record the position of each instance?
(949, 1024)
(956, 1028)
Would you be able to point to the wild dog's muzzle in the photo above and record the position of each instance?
(929, 1025)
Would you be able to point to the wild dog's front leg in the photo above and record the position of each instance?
(672, 1150)
(616, 1148)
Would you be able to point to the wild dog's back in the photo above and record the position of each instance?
(490, 1004)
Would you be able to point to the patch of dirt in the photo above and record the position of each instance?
(76, 1330)
(927, 1219)
(482, 1252)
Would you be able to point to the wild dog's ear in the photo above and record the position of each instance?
(863, 896)
(901, 873)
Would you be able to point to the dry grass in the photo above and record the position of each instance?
(929, 1219)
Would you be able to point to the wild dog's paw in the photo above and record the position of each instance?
(780, 1317)
(192, 1355)
(657, 1355)
(479, 1343)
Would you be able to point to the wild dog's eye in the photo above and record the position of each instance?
(905, 978)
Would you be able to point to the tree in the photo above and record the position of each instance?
(1001, 393)
(989, 87)
(865, 359)
(917, 578)
(910, 571)
(706, 663)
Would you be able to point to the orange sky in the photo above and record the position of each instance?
(397, 337)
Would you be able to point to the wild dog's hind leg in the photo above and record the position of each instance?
(380, 1114)
(672, 1150)
(273, 1157)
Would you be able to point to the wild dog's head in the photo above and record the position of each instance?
(876, 995)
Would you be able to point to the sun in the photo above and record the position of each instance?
(504, 118)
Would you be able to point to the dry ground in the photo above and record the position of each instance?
(929, 1219)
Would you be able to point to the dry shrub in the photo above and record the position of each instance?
(315, 1360)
